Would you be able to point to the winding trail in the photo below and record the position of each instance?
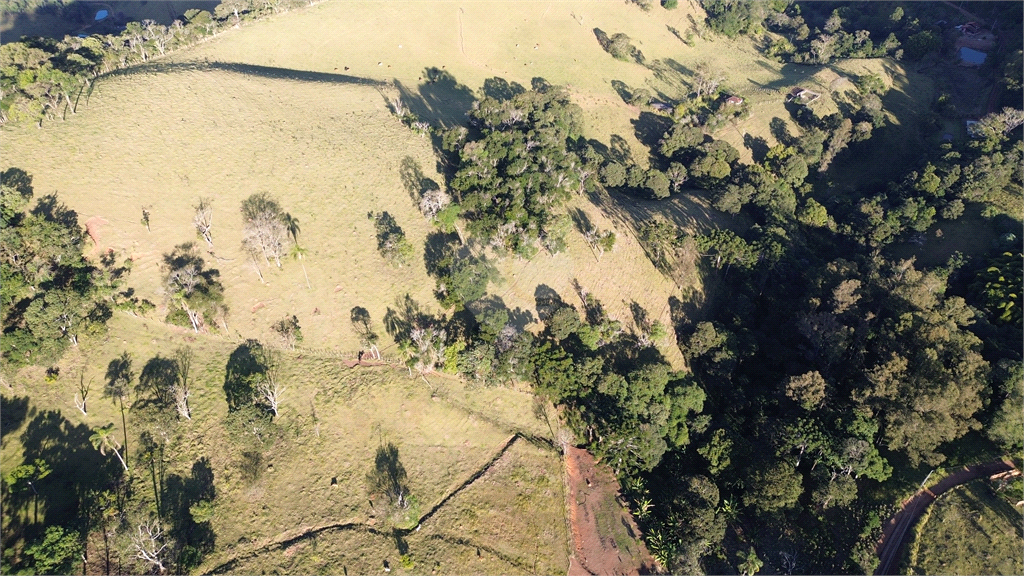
(890, 545)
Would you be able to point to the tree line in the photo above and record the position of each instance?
(44, 78)
(828, 371)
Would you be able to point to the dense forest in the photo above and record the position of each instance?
(823, 367)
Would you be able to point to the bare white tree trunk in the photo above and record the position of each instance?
(181, 395)
(194, 316)
(180, 390)
(83, 391)
(203, 220)
(147, 543)
(271, 391)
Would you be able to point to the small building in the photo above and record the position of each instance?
(734, 100)
(971, 57)
(970, 28)
(802, 94)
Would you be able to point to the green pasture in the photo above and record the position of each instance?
(969, 530)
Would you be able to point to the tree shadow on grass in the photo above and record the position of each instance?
(581, 221)
(13, 412)
(780, 131)
(439, 249)
(413, 179)
(547, 301)
(518, 318)
(272, 72)
(388, 476)
(53, 210)
(179, 495)
(406, 315)
(246, 363)
(650, 129)
(757, 145)
(619, 150)
(439, 99)
(78, 472)
(157, 378)
(500, 89)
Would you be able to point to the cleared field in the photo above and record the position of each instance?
(310, 472)
(969, 531)
(291, 106)
(509, 521)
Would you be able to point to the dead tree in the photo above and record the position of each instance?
(203, 220)
(270, 391)
(433, 201)
(181, 396)
(265, 231)
(148, 545)
(83, 391)
(266, 234)
(706, 80)
(253, 252)
(180, 389)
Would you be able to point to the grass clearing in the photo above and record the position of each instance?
(969, 530)
(290, 106)
(302, 480)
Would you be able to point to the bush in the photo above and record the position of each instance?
(670, 4)
(251, 466)
(613, 175)
(178, 317)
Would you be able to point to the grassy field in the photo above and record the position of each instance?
(309, 470)
(291, 106)
(508, 522)
(969, 531)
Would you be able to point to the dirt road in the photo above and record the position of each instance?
(890, 546)
(605, 540)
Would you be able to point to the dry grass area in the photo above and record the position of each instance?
(290, 106)
(315, 457)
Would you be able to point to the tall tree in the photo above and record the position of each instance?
(102, 439)
(119, 382)
(264, 229)
(193, 289)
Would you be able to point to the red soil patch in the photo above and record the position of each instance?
(92, 228)
(605, 538)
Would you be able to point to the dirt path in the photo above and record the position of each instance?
(605, 540)
(890, 545)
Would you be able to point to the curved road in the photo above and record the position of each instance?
(890, 546)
